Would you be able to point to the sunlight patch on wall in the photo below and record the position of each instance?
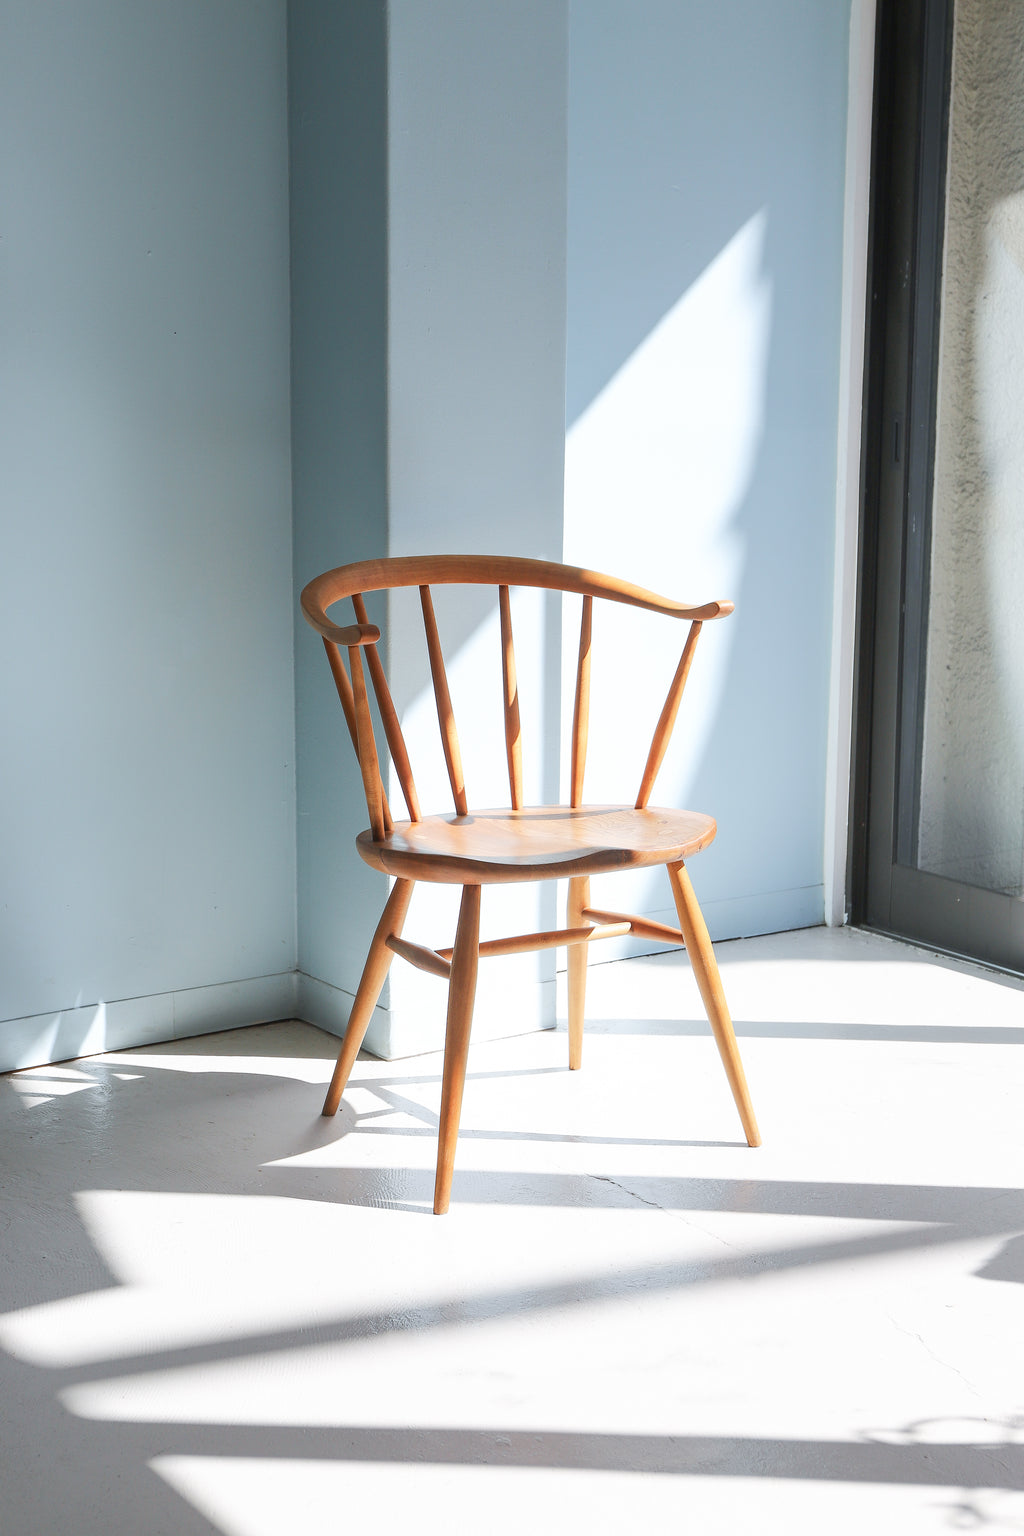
(657, 468)
(656, 472)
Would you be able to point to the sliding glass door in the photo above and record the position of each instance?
(939, 806)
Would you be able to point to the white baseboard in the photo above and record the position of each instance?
(415, 1021)
(328, 1007)
(515, 996)
(42, 1038)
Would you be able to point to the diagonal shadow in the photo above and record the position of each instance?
(949, 1214)
(758, 1029)
(398, 1103)
(999, 1465)
(488, 1306)
(979, 1209)
(570, 1139)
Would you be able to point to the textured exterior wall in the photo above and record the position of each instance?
(972, 792)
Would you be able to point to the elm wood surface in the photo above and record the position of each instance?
(642, 927)
(481, 570)
(513, 738)
(375, 970)
(705, 969)
(579, 896)
(475, 848)
(667, 718)
(545, 842)
(344, 687)
(432, 960)
(366, 751)
(445, 713)
(581, 706)
(551, 938)
(461, 992)
(389, 716)
(438, 961)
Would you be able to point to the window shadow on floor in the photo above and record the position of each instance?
(234, 1117)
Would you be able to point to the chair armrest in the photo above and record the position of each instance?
(340, 634)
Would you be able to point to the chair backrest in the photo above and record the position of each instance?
(503, 572)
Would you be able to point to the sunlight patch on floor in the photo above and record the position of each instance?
(223, 1313)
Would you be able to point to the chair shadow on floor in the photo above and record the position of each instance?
(216, 1117)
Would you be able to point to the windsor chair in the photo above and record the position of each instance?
(520, 843)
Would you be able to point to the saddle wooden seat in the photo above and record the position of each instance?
(500, 846)
(544, 842)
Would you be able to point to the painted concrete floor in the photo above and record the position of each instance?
(222, 1313)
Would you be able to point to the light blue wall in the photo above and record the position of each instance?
(428, 376)
(338, 132)
(476, 350)
(691, 125)
(145, 592)
(476, 373)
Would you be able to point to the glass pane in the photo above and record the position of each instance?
(971, 816)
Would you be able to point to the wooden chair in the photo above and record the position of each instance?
(521, 843)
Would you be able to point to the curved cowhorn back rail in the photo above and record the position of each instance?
(501, 846)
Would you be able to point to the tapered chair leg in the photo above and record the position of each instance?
(705, 968)
(579, 900)
(376, 968)
(461, 992)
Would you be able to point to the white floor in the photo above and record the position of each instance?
(222, 1313)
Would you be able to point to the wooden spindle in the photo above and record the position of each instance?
(344, 688)
(345, 694)
(445, 714)
(667, 718)
(551, 938)
(389, 717)
(579, 895)
(424, 959)
(376, 800)
(461, 992)
(513, 740)
(642, 927)
(705, 970)
(581, 708)
(375, 970)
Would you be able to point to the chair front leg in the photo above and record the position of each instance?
(376, 968)
(461, 992)
(579, 900)
(705, 968)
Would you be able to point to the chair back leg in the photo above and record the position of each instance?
(461, 993)
(579, 900)
(705, 968)
(370, 983)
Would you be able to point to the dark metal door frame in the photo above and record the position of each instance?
(908, 174)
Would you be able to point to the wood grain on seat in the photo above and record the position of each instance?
(545, 842)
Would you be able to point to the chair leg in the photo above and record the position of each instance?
(579, 900)
(705, 968)
(378, 962)
(461, 992)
